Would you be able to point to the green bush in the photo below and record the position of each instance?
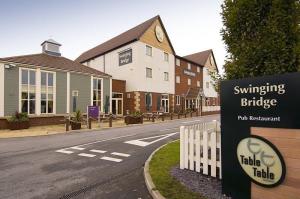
(136, 114)
(18, 117)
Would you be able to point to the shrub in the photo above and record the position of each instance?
(18, 117)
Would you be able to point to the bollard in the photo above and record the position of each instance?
(89, 123)
(142, 119)
(162, 117)
(67, 124)
(110, 120)
(178, 115)
(197, 113)
(191, 113)
(153, 120)
(184, 115)
(171, 116)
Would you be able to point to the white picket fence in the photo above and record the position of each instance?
(210, 108)
(200, 148)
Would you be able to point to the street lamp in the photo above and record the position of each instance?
(201, 93)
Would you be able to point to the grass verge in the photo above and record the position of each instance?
(160, 167)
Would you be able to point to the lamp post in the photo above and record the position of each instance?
(201, 93)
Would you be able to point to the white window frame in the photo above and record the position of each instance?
(198, 84)
(166, 57)
(178, 99)
(166, 76)
(178, 79)
(149, 53)
(92, 92)
(47, 92)
(189, 66)
(189, 81)
(150, 74)
(28, 85)
(177, 62)
(198, 69)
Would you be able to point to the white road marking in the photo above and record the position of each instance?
(120, 154)
(141, 143)
(87, 155)
(168, 129)
(124, 136)
(77, 148)
(97, 151)
(64, 151)
(191, 121)
(111, 159)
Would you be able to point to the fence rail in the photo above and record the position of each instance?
(200, 148)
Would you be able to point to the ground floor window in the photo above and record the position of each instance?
(177, 99)
(97, 92)
(28, 91)
(148, 101)
(47, 91)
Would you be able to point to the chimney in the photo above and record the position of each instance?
(51, 47)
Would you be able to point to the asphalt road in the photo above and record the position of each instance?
(106, 164)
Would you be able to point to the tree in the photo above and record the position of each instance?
(261, 37)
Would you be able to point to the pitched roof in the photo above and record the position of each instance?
(200, 57)
(55, 62)
(123, 39)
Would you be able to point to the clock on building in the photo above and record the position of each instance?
(159, 33)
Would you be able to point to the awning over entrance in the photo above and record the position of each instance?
(194, 93)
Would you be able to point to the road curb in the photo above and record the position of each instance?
(148, 180)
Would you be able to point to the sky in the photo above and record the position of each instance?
(79, 25)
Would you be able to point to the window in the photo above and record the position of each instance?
(177, 79)
(214, 101)
(166, 76)
(207, 84)
(75, 99)
(207, 102)
(28, 91)
(148, 101)
(97, 92)
(198, 69)
(189, 81)
(128, 95)
(149, 72)
(47, 90)
(198, 83)
(189, 66)
(166, 57)
(149, 50)
(177, 99)
(177, 62)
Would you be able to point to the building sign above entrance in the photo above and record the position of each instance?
(125, 57)
(261, 161)
(189, 73)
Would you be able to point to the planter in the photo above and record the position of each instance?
(133, 120)
(75, 125)
(17, 125)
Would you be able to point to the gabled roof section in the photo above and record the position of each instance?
(54, 62)
(193, 93)
(121, 40)
(201, 57)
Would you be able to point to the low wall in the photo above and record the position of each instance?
(210, 112)
(38, 121)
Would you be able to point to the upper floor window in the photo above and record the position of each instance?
(189, 66)
(28, 91)
(177, 79)
(47, 92)
(198, 84)
(149, 50)
(198, 69)
(189, 81)
(125, 57)
(166, 76)
(97, 92)
(149, 72)
(166, 56)
(177, 62)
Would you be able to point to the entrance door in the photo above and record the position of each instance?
(117, 104)
(165, 102)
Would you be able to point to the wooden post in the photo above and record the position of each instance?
(153, 120)
(191, 113)
(171, 116)
(89, 123)
(67, 124)
(197, 113)
(163, 117)
(142, 119)
(110, 120)
(185, 115)
(178, 115)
